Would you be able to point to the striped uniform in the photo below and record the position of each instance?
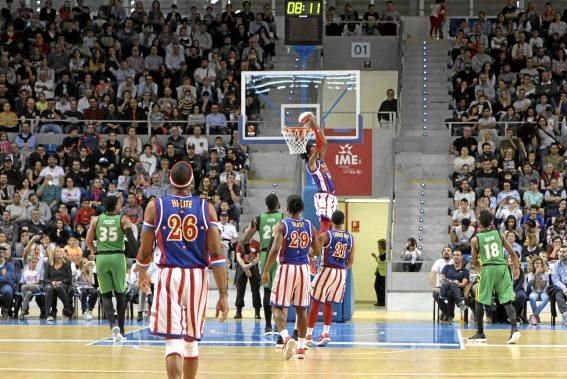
(329, 284)
(291, 283)
(181, 224)
(324, 200)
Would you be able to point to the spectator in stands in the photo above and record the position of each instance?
(229, 191)
(538, 279)
(464, 192)
(434, 278)
(463, 159)
(461, 238)
(454, 279)
(486, 177)
(462, 212)
(390, 105)
(411, 256)
(7, 285)
(553, 195)
(559, 280)
(57, 278)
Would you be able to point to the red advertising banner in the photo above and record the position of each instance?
(351, 166)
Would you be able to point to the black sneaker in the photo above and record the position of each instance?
(268, 329)
(478, 337)
(238, 314)
(295, 335)
(514, 337)
(257, 315)
(279, 342)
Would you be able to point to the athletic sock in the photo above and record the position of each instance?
(327, 329)
(479, 315)
(309, 332)
(313, 313)
(108, 308)
(301, 343)
(328, 313)
(121, 310)
(511, 312)
(284, 334)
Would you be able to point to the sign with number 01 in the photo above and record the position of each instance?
(360, 49)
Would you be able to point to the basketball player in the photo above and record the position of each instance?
(494, 275)
(329, 285)
(293, 237)
(325, 200)
(264, 224)
(110, 230)
(187, 243)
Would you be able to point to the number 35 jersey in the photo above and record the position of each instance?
(181, 224)
(297, 237)
(338, 248)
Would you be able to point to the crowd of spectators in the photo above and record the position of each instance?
(143, 73)
(372, 23)
(510, 103)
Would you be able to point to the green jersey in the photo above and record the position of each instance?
(109, 234)
(266, 228)
(490, 248)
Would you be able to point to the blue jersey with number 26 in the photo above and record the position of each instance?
(181, 224)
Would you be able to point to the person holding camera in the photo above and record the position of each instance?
(411, 256)
(247, 270)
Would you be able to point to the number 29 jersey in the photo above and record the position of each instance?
(181, 224)
(297, 237)
(338, 248)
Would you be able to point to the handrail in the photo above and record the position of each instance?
(363, 22)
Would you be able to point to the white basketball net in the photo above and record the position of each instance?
(296, 138)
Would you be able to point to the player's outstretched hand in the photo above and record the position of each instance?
(222, 309)
(516, 273)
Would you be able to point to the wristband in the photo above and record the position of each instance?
(218, 262)
(147, 227)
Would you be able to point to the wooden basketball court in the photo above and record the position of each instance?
(375, 344)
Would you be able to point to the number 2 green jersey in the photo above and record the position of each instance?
(490, 248)
(266, 228)
(109, 234)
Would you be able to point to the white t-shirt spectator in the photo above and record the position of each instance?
(201, 144)
(438, 267)
(55, 173)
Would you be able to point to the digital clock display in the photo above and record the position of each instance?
(304, 22)
(303, 8)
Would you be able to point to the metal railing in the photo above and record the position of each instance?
(381, 24)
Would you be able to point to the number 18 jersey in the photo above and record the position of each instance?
(296, 242)
(490, 251)
(181, 224)
(337, 249)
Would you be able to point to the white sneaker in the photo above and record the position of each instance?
(116, 335)
(514, 338)
(49, 318)
(88, 315)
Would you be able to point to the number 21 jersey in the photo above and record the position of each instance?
(338, 248)
(181, 224)
(296, 242)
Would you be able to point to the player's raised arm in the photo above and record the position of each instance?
(91, 235)
(131, 242)
(274, 249)
(218, 264)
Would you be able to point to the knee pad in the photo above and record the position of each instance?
(191, 349)
(173, 347)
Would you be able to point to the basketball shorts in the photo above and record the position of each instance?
(329, 285)
(493, 279)
(325, 204)
(180, 302)
(111, 272)
(291, 286)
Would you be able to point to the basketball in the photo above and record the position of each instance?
(304, 117)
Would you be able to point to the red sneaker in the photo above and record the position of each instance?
(324, 339)
(289, 348)
(309, 341)
(300, 354)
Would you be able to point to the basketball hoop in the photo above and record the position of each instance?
(296, 138)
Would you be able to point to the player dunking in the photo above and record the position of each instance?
(325, 200)
(187, 242)
(293, 237)
(109, 230)
(329, 285)
(494, 275)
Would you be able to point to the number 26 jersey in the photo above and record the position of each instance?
(181, 224)
(297, 237)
